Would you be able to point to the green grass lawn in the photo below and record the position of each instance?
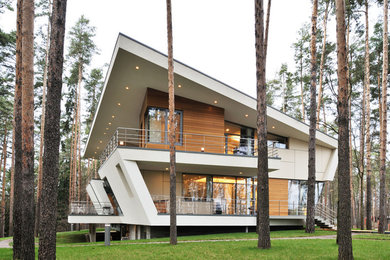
(78, 237)
(366, 246)
(281, 249)
(373, 236)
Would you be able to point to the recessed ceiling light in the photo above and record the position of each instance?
(113, 116)
(119, 104)
(106, 128)
(97, 147)
(105, 133)
(273, 127)
(179, 86)
(136, 67)
(246, 115)
(95, 152)
(215, 102)
(241, 172)
(127, 88)
(100, 141)
(166, 169)
(227, 129)
(109, 123)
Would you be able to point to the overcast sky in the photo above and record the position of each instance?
(213, 36)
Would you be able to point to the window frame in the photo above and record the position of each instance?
(147, 125)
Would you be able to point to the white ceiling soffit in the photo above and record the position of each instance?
(135, 67)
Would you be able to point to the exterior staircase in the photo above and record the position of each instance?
(325, 217)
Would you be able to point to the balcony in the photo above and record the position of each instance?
(186, 142)
(224, 206)
(90, 209)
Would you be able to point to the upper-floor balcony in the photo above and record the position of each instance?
(186, 142)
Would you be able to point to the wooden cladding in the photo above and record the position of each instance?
(203, 124)
(278, 196)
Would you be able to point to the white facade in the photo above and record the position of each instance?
(136, 174)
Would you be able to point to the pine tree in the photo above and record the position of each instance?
(344, 203)
(17, 139)
(310, 225)
(383, 134)
(171, 126)
(47, 225)
(42, 130)
(4, 162)
(80, 53)
(93, 86)
(368, 120)
(27, 171)
(264, 240)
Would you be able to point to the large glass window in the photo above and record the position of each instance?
(197, 187)
(297, 196)
(156, 122)
(276, 141)
(230, 195)
(241, 140)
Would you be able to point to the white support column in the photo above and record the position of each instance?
(92, 232)
(107, 234)
(147, 229)
(138, 229)
(133, 231)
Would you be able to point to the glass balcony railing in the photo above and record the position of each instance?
(188, 142)
(225, 206)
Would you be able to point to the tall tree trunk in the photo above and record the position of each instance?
(368, 116)
(39, 188)
(28, 248)
(18, 190)
(383, 135)
(172, 153)
(266, 31)
(78, 148)
(262, 165)
(311, 181)
(4, 160)
(11, 195)
(302, 99)
(265, 62)
(47, 227)
(322, 66)
(70, 195)
(74, 151)
(361, 159)
(350, 127)
(344, 192)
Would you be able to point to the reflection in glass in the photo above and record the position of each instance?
(297, 196)
(156, 122)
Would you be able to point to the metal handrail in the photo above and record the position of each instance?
(224, 206)
(192, 142)
(326, 213)
(89, 208)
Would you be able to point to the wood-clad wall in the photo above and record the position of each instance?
(203, 124)
(278, 197)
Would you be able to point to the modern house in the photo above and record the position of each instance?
(216, 151)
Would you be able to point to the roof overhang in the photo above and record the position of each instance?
(135, 67)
